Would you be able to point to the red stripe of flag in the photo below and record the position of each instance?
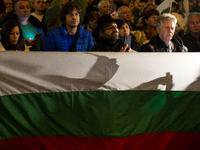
(151, 141)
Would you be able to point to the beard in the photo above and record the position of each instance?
(114, 36)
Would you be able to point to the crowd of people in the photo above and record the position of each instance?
(108, 26)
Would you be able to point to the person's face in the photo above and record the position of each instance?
(125, 1)
(110, 32)
(64, 2)
(14, 35)
(111, 2)
(150, 7)
(22, 9)
(194, 25)
(131, 6)
(141, 5)
(124, 30)
(191, 4)
(90, 1)
(105, 9)
(8, 4)
(39, 5)
(152, 21)
(72, 19)
(47, 5)
(166, 31)
(32, 4)
(126, 14)
(93, 24)
(136, 3)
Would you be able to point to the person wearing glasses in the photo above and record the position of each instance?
(70, 36)
(149, 26)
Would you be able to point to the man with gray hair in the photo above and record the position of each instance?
(124, 12)
(30, 29)
(104, 7)
(191, 40)
(165, 40)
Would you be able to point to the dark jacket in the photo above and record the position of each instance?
(134, 45)
(157, 45)
(191, 42)
(89, 9)
(105, 46)
(5, 18)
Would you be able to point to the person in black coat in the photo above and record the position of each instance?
(3, 15)
(165, 41)
(124, 34)
(192, 39)
(106, 35)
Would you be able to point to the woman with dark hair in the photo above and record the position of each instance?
(148, 6)
(92, 24)
(149, 26)
(12, 37)
(124, 34)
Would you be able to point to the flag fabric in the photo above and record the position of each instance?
(165, 7)
(110, 101)
(185, 7)
(180, 25)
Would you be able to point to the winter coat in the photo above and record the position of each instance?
(105, 46)
(157, 45)
(58, 39)
(191, 42)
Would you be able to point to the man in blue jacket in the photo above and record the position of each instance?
(70, 36)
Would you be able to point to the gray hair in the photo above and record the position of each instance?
(119, 10)
(193, 14)
(166, 16)
(101, 3)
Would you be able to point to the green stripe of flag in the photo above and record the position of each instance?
(183, 9)
(98, 113)
(167, 10)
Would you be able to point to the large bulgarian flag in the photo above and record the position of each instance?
(99, 101)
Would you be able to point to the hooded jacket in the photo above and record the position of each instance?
(157, 45)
